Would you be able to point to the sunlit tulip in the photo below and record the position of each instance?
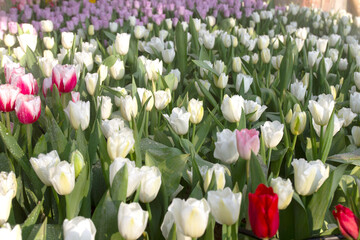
(218, 171)
(246, 80)
(225, 146)
(11, 234)
(272, 132)
(128, 107)
(42, 165)
(67, 39)
(47, 26)
(196, 110)
(263, 42)
(122, 43)
(79, 114)
(150, 183)
(225, 206)
(132, 220)
(105, 104)
(179, 120)
(309, 176)
(254, 110)
(79, 228)
(27, 41)
(231, 108)
(162, 98)
(26, 83)
(338, 123)
(91, 80)
(62, 177)
(298, 122)
(322, 109)
(191, 216)
(347, 115)
(27, 108)
(146, 96)
(9, 40)
(121, 143)
(283, 188)
(64, 77)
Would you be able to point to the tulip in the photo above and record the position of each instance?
(77, 159)
(162, 98)
(312, 56)
(263, 42)
(166, 226)
(46, 65)
(203, 71)
(225, 206)
(347, 115)
(144, 95)
(103, 72)
(309, 176)
(284, 190)
(205, 83)
(79, 114)
(62, 177)
(221, 81)
(8, 95)
(219, 172)
(225, 147)
(105, 104)
(322, 109)
(64, 77)
(5, 201)
(236, 64)
(357, 79)
(91, 82)
(8, 183)
(168, 55)
(19, 53)
(48, 42)
(298, 89)
(108, 127)
(9, 40)
(231, 108)
(47, 26)
(177, 75)
(122, 43)
(211, 20)
(47, 84)
(139, 31)
(209, 40)
(347, 221)
(219, 67)
(321, 44)
(12, 70)
(254, 110)
(27, 108)
(298, 122)
(121, 143)
(27, 41)
(7, 233)
(179, 120)
(338, 123)
(226, 39)
(84, 59)
(128, 107)
(26, 83)
(153, 69)
(272, 133)
(240, 78)
(123, 93)
(196, 110)
(42, 165)
(79, 228)
(263, 212)
(191, 216)
(75, 96)
(247, 141)
(117, 71)
(265, 55)
(355, 102)
(355, 132)
(150, 183)
(132, 220)
(91, 30)
(67, 39)
(113, 26)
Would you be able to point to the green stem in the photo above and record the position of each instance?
(269, 158)
(63, 100)
(292, 152)
(321, 139)
(248, 171)
(193, 133)
(221, 95)
(147, 124)
(28, 134)
(149, 211)
(159, 118)
(57, 200)
(229, 232)
(3, 118)
(8, 122)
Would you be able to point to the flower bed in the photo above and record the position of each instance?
(178, 120)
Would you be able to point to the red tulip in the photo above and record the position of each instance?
(264, 212)
(348, 222)
(64, 77)
(247, 141)
(8, 94)
(27, 84)
(28, 108)
(12, 70)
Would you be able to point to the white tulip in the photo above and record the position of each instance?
(309, 176)
(8, 183)
(355, 102)
(42, 165)
(255, 58)
(139, 31)
(123, 93)
(236, 64)
(205, 83)
(166, 226)
(117, 70)
(122, 43)
(338, 123)
(47, 26)
(322, 109)
(225, 206)
(150, 183)
(231, 108)
(105, 105)
(219, 67)
(248, 80)
(128, 107)
(9, 40)
(196, 110)
(62, 177)
(219, 172)
(203, 71)
(298, 89)
(284, 189)
(221, 81)
(334, 54)
(347, 115)
(263, 42)
(254, 109)
(10, 234)
(211, 20)
(153, 69)
(179, 120)
(27, 40)
(225, 146)
(357, 79)
(355, 132)
(46, 65)
(209, 40)
(121, 143)
(79, 114)
(321, 44)
(265, 55)
(168, 55)
(191, 216)
(177, 75)
(67, 39)
(79, 228)
(113, 26)
(91, 82)
(132, 220)
(162, 98)
(117, 165)
(108, 127)
(312, 57)
(272, 133)
(144, 95)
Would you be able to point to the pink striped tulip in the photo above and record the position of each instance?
(8, 94)
(75, 96)
(28, 108)
(247, 141)
(26, 83)
(13, 70)
(47, 84)
(64, 77)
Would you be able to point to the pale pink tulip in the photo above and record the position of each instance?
(247, 141)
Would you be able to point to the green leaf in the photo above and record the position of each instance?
(286, 67)
(29, 223)
(119, 185)
(41, 234)
(202, 132)
(110, 35)
(204, 65)
(327, 139)
(105, 218)
(41, 146)
(181, 47)
(208, 95)
(257, 175)
(110, 61)
(32, 63)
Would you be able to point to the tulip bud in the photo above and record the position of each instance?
(67, 39)
(47, 26)
(122, 43)
(236, 64)
(113, 26)
(62, 177)
(222, 81)
(79, 228)
(347, 221)
(240, 78)
(64, 77)
(231, 108)
(309, 176)
(272, 133)
(177, 75)
(347, 115)
(247, 141)
(322, 109)
(298, 122)
(162, 98)
(211, 20)
(191, 216)
(179, 120)
(265, 55)
(225, 206)
(78, 161)
(128, 107)
(355, 102)
(103, 72)
(195, 108)
(117, 71)
(263, 212)
(132, 220)
(121, 143)
(289, 116)
(91, 82)
(168, 55)
(218, 171)
(42, 165)
(27, 108)
(79, 114)
(105, 103)
(150, 183)
(255, 58)
(284, 190)
(9, 40)
(91, 30)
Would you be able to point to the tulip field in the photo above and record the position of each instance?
(168, 119)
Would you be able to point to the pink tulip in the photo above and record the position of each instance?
(28, 108)
(247, 141)
(8, 94)
(27, 84)
(75, 96)
(47, 84)
(12, 70)
(64, 77)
